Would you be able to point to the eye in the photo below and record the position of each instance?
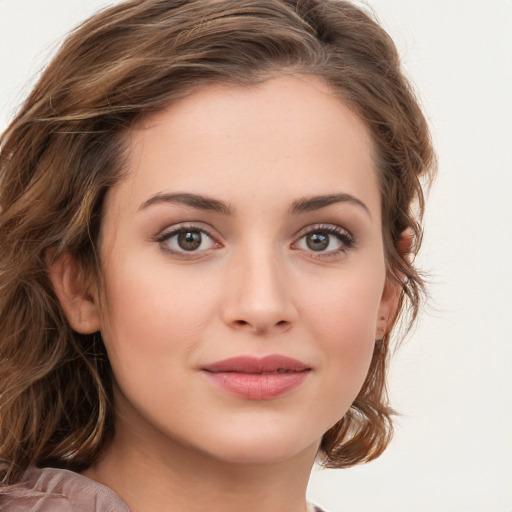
(328, 240)
(186, 240)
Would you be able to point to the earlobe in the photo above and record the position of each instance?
(78, 303)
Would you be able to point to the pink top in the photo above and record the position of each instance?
(59, 490)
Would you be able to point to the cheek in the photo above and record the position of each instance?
(150, 316)
(342, 319)
(345, 306)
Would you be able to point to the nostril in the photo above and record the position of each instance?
(245, 323)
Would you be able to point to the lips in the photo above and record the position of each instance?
(257, 378)
(248, 364)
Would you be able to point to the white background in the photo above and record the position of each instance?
(452, 379)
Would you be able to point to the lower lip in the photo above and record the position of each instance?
(256, 386)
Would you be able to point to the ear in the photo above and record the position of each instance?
(405, 244)
(390, 300)
(79, 303)
(388, 307)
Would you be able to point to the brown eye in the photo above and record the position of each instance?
(317, 241)
(325, 241)
(189, 240)
(186, 240)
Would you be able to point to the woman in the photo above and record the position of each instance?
(208, 212)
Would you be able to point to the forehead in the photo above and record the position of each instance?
(284, 138)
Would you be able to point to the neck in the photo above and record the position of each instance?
(154, 475)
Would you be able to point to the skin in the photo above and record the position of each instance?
(254, 287)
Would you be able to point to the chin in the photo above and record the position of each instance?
(261, 448)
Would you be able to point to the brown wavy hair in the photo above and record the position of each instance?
(65, 149)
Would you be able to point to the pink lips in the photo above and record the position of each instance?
(257, 378)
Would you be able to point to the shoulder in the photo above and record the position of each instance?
(59, 490)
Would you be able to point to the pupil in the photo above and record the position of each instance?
(189, 240)
(317, 241)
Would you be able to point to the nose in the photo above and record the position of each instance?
(260, 296)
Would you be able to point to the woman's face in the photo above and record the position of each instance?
(244, 271)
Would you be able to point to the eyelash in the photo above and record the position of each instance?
(346, 239)
(164, 238)
(343, 236)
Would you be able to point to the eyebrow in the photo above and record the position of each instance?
(194, 200)
(301, 205)
(309, 204)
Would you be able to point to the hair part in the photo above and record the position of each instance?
(66, 148)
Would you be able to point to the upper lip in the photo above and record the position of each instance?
(274, 363)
